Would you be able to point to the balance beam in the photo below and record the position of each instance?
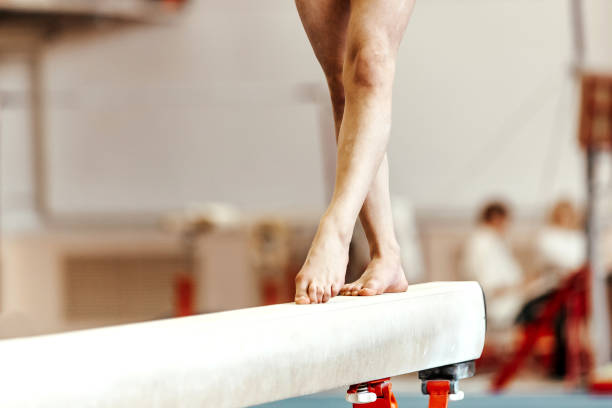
(247, 356)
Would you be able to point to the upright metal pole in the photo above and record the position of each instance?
(578, 34)
(600, 319)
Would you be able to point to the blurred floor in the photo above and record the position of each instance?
(475, 401)
(526, 392)
(525, 384)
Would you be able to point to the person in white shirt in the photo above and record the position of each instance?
(561, 250)
(561, 245)
(488, 259)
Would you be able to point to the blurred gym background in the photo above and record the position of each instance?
(164, 158)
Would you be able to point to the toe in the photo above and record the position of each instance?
(367, 292)
(319, 294)
(301, 293)
(371, 288)
(312, 292)
(327, 293)
(334, 290)
(302, 300)
(346, 289)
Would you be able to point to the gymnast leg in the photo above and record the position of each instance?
(329, 43)
(356, 43)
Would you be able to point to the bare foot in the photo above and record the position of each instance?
(384, 274)
(323, 272)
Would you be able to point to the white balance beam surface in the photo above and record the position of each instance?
(247, 356)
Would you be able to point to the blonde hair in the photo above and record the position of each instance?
(564, 214)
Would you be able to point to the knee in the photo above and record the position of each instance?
(370, 67)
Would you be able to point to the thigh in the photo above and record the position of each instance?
(326, 22)
(377, 23)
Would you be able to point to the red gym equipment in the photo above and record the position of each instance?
(441, 384)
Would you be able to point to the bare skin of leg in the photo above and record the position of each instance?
(356, 43)
(384, 273)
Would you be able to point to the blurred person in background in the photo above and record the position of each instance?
(488, 259)
(560, 251)
(561, 245)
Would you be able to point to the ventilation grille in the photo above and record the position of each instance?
(121, 288)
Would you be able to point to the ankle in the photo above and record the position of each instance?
(385, 250)
(336, 227)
